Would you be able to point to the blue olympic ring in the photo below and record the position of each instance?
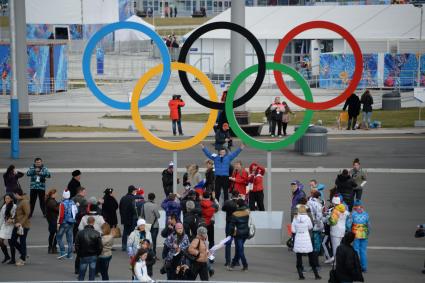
(126, 25)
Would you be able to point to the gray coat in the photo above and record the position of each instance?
(151, 214)
(358, 176)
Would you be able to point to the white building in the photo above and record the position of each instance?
(377, 28)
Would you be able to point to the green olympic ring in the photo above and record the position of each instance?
(248, 140)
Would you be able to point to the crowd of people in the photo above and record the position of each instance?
(336, 228)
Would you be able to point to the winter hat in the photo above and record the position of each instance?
(358, 202)
(66, 194)
(179, 226)
(76, 173)
(171, 164)
(190, 205)
(141, 222)
(336, 200)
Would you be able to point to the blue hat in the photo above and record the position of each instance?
(358, 203)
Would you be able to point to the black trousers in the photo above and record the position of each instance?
(33, 199)
(312, 260)
(222, 182)
(279, 127)
(358, 193)
(284, 126)
(210, 233)
(352, 120)
(200, 268)
(256, 197)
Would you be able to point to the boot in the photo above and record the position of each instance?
(6, 254)
(300, 273)
(54, 250)
(316, 274)
(49, 250)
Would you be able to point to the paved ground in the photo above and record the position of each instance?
(394, 200)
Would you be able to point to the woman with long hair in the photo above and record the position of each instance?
(139, 268)
(109, 208)
(52, 212)
(194, 176)
(177, 243)
(7, 223)
(11, 179)
(106, 255)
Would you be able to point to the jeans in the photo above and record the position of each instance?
(104, 266)
(228, 250)
(240, 253)
(53, 229)
(128, 228)
(154, 234)
(34, 193)
(177, 123)
(366, 118)
(21, 246)
(90, 262)
(221, 182)
(65, 228)
(360, 246)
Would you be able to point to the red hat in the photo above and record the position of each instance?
(140, 192)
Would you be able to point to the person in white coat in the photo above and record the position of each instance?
(140, 272)
(134, 241)
(7, 216)
(337, 220)
(301, 225)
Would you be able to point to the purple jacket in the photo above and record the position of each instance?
(171, 207)
(297, 195)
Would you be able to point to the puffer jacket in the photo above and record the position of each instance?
(239, 223)
(222, 164)
(345, 186)
(209, 208)
(256, 178)
(297, 195)
(301, 225)
(359, 222)
(172, 207)
(88, 242)
(337, 221)
(135, 237)
(353, 103)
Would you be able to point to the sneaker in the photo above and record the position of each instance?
(226, 264)
(280, 136)
(20, 263)
(62, 255)
(245, 268)
(331, 260)
(230, 268)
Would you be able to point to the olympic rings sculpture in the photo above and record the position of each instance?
(166, 67)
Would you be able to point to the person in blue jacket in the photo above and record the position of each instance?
(221, 165)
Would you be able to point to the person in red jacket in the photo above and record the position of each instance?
(239, 178)
(255, 183)
(209, 206)
(175, 105)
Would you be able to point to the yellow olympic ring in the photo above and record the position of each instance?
(164, 144)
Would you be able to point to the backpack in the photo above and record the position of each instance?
(70, 210)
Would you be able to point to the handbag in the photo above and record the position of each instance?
(116, 232)
(333, 278)
(251, 229)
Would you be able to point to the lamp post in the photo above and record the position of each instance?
(419, 5)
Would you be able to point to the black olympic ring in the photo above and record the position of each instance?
(258, 50)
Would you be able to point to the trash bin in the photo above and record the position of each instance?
(315, 141)
(391, 101)
(298, 144)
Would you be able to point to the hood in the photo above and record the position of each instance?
(358, 209)
(260, 169)
(343, 178)
(301, 218)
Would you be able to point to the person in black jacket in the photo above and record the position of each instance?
(74, 184)
(209, 176)
(353, 103)
(167, 231)
(367, 100)
(229, 207)
(88, 246)
(222, 136)
(345, 186)
(128, 214)
(191, 220)
(109, 208)
(239, 227)
(11, 179)
(347, 263)
(167, 179)
(191, 196)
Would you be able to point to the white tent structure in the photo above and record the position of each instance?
(377, 28)
(133, 35)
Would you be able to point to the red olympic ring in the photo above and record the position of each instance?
(352, 86)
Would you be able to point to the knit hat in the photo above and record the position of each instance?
(358, 202)
(66, 194)
(179, 226)
(76, 173)
(141, 222)
(336, 200)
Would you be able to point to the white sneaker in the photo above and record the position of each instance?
(331, 260)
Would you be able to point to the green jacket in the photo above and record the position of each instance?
(38, 179)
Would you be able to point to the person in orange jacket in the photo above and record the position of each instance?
(239, 178)
(255, 184)
(175, 105)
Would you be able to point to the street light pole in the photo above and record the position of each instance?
(418, 78)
